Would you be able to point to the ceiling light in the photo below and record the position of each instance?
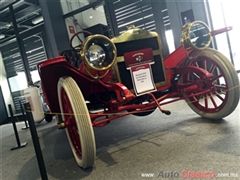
(90, 17)
(37, 20)
(2, 36)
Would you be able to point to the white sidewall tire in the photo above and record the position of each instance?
(231, 78)
(83, 121)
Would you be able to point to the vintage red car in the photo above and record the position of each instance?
(128, 75)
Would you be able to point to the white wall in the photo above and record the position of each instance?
(226, 13)
(71, 5)
(4, 85)
(85, 19)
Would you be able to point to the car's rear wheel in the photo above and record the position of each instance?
(224, 88)
(77, 121)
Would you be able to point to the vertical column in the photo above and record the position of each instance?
(21, 46)
(111, 18)
(55, 27)
(175, 21)
(158, 17)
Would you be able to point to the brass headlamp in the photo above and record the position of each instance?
(98, 53)
(195, 35)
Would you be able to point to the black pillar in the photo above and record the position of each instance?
(158, 17)
(21, 46)
(55, 27)
(109, 10)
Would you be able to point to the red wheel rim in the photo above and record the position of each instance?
(70, 122)
(216, 99)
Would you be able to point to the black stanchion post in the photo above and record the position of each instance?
(24, 116)
(36, 143)
(19, 145)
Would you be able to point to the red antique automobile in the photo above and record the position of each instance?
(128, 75)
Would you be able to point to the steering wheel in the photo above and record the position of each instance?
(72, 57)
(78, 47)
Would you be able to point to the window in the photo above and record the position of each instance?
(14, 65)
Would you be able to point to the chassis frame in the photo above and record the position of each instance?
(115, 100)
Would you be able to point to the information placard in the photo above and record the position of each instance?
(142, 79)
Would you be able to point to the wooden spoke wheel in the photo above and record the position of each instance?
(224, 93)
(77, 121)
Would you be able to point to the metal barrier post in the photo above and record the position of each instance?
(19, 145)
(36, 143)
(24, 116)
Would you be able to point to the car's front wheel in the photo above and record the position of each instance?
(77, 121)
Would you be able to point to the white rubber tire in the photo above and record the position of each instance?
(231, 78)
(82, 119)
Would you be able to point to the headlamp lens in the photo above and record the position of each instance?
(96, 55)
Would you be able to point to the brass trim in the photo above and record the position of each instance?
(186, 39)
(117, 72)
(132, 34)
(97, 76)
(84, 50)
(158, 84)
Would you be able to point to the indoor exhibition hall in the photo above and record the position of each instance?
(119, 90)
